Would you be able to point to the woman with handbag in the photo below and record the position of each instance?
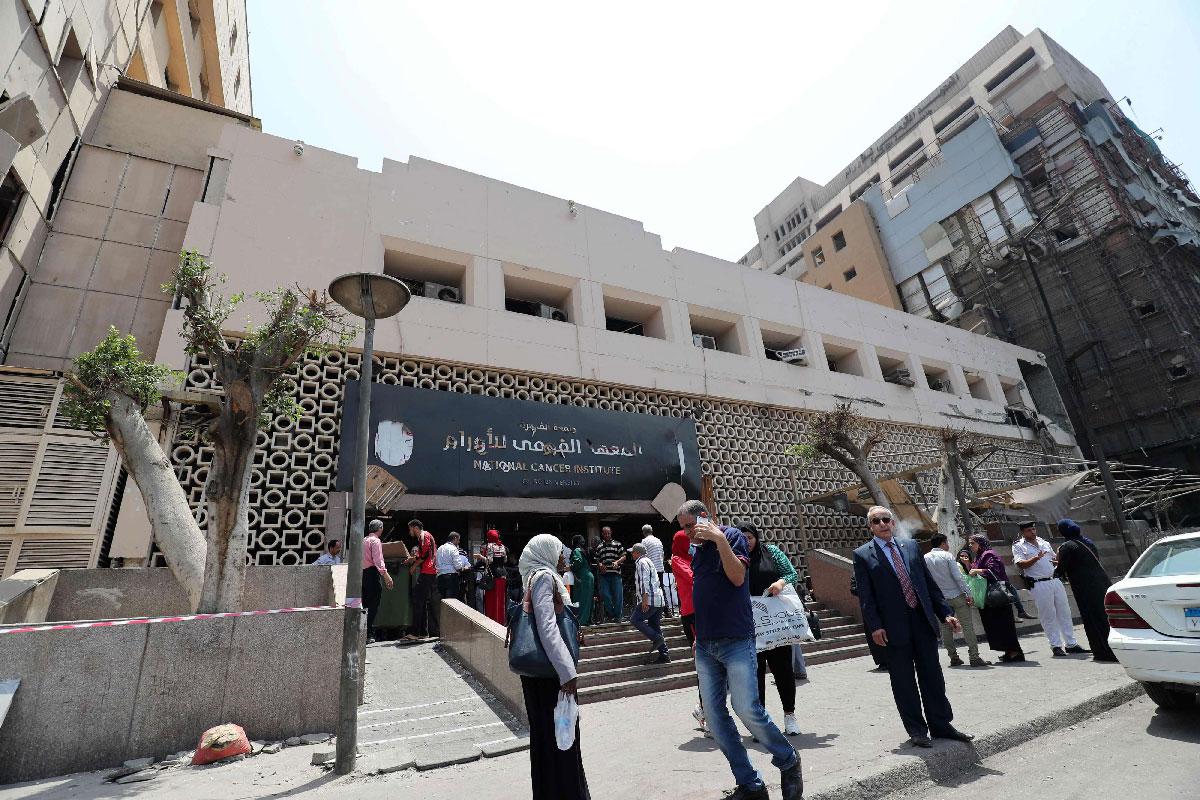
(769, 572)
(556, 774)
(996, 613)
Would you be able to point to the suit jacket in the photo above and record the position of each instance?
(882, 599)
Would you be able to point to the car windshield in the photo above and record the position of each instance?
(1169, 558)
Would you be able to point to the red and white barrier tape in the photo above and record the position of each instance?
(114, 623)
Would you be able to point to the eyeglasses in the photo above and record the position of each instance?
(881, 520)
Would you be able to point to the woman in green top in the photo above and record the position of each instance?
(769, 572)
(585, 582)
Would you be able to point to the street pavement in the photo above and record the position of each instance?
(853, 744)
(1134, 750)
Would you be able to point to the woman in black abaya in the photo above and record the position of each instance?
(1079, 564)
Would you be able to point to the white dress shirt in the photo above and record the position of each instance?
(1043, 567)
(946, 572)
(645, 581)
(446, 560)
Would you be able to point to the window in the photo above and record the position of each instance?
(233, 37)
(237, 82)
(857, 193)
(11, 192)
(784, 344)
(156, 10)
(940, 126)
(843, 358)
(637, 315)
(818, 257)
(905, 153)
(1065, 233)
(1181, 557)
(1010, 70)
(430, 275)
(850, 274)
(1145, 308)
(715, 330)
(60, 180)
(529, 292)
(839, 241)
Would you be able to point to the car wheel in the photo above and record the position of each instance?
(1169, 699)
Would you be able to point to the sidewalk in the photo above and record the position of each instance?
(853, 745)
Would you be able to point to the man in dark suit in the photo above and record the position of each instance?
(901, 606)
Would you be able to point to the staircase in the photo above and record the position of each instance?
(613, 659)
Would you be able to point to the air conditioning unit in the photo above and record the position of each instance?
(438, 291)
(550, 312)
(797, 355)
(940, 385)
(900, 377)
(705, 342)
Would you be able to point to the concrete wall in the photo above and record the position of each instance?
(120, 593)
(478, 642)
(862, 252)
(93, 698)
(829, 578)
(26, 596)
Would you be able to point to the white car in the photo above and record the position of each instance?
(1154, 614)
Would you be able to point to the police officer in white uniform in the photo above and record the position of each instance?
(1036, 558)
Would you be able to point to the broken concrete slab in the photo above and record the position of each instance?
(138, 763)
(504, 746)
(121, 772)
(294, 741)
(272, 748)
(394, 759)
(444, 754)
(138, 777)
(315, 738)
(323, 757)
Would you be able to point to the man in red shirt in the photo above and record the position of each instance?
(374, 571)
(425, 616)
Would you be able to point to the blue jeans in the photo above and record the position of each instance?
(650, 624)
(610, 593)
(731, 665)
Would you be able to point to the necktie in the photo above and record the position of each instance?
(910, 596)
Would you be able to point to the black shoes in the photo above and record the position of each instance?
(956, 662)
(955, 734)
(1058, 652)
(663, 658)
(746, 793)
(792, 782)
(920, 741)
(1077, 650)
(1007, 659)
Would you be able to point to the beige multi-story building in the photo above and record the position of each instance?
(531, 305)
(97, 189)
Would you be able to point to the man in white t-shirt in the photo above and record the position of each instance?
(1036, 560)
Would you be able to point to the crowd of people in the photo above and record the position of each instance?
(909, 603)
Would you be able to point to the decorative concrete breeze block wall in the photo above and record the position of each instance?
(741, 446)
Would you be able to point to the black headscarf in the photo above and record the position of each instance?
(1069, 529)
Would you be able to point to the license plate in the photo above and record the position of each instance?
(1192, 617)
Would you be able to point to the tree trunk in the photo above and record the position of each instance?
(227, 492)
(175, 529)
(945, 510)
(860, 468)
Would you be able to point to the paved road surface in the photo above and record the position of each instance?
(1132, 751)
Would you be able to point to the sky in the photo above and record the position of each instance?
(689, 117)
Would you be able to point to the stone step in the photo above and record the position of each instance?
(832, 642)
(633, 659)
(633, 688)
(837, 654)
(631, 634)
(644, 672)
(638, 645)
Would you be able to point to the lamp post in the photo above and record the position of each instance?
(371, 296)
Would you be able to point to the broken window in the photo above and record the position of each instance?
(850, 274)
(1013, 205)
(839, 241)
(1178, 372)
(11, 192)
(60, 179)
(1145, 308)
(1065, 233)
(818, 257)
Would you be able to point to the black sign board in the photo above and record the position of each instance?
(446, 443)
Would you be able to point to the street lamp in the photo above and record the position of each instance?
(371, 296)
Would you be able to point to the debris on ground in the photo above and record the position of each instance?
(220, 743)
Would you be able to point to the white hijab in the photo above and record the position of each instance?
(542, 553)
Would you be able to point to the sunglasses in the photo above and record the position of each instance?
(880, 520)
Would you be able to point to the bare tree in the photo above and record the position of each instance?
(844, 436)
(251, 371)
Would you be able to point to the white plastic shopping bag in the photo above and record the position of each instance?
(566, 714)
(779, 620)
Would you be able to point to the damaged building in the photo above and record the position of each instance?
(1017, 200)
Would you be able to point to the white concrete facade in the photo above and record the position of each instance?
(272, 217)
